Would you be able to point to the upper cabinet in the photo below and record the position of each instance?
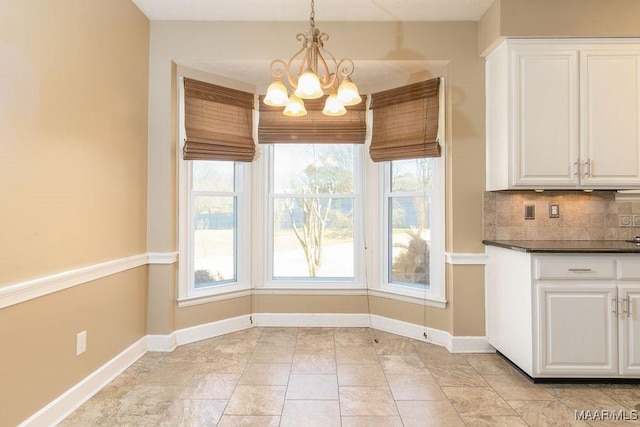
(563, 115)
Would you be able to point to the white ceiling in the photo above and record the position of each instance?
(326, 10)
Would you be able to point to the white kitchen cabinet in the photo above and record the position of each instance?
(565, 315)
(610, 116)
(577, 327)
(629, 332)
(563, 114)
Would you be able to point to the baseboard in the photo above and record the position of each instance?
(162, 342)
(470, 345)
(213, 329)
(68, 402)
(434, 336)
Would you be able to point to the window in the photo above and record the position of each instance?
(413, 227)
(215, 225)
(314, 213)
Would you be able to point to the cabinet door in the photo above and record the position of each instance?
(610, 110)
(577, 328)
(545, 117)
(629, 336)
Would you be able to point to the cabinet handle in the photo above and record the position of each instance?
(628, 299)
(576, 165)
(614, 302)
(582, 270)
(587, 164)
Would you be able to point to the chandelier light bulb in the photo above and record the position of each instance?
(295, 107)
(277, 94)
(333, 106)
(348, 92)
(309, 86)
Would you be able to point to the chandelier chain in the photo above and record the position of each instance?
(312, 17)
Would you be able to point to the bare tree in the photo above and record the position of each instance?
(311, 234)
(327, 174)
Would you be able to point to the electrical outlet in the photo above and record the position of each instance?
(81, 343)
(624, 220)
(554, 210)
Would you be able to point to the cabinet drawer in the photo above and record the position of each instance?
(630, 268)
(575, 268)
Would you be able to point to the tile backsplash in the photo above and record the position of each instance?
(583, 216)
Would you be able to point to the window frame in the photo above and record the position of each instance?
(186, 288)
(302, 283)
(436, 291)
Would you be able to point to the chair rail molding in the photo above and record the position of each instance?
(41, 286)
(465, 258)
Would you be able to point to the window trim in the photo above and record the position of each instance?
(268, 196)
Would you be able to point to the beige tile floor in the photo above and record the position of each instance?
(338, 377)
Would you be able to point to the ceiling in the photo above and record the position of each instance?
(368, 75)
(326, 10)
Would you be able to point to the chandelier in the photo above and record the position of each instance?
(317, 73)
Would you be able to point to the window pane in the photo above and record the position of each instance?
(409, 241)
(412, 175)
(313, 238)
(214, 241)
(213, 176)
(313, 168)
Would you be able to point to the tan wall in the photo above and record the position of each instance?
(39, 339)
(454, 44)
(560, 18)
(201, 314)
(73, 172)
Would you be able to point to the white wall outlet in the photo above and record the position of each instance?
(81, 343)
(624, 220)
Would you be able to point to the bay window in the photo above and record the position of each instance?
(306, 228)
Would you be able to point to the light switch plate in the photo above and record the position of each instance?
(529, 211)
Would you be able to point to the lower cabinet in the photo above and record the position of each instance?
(629, 329)
(577, 329)
(565, 316)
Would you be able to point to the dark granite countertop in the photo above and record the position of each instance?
(567, 246)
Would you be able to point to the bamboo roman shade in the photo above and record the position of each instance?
(219, 123)
(315, 127)
(405, 122)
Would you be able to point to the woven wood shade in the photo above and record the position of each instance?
(219, 123)
(405, 122)
(315, 127)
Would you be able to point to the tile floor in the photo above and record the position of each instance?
(337, 377)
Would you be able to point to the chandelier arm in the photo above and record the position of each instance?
(329, 78)
(305, 41)
(345, 67)
(278, 68)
